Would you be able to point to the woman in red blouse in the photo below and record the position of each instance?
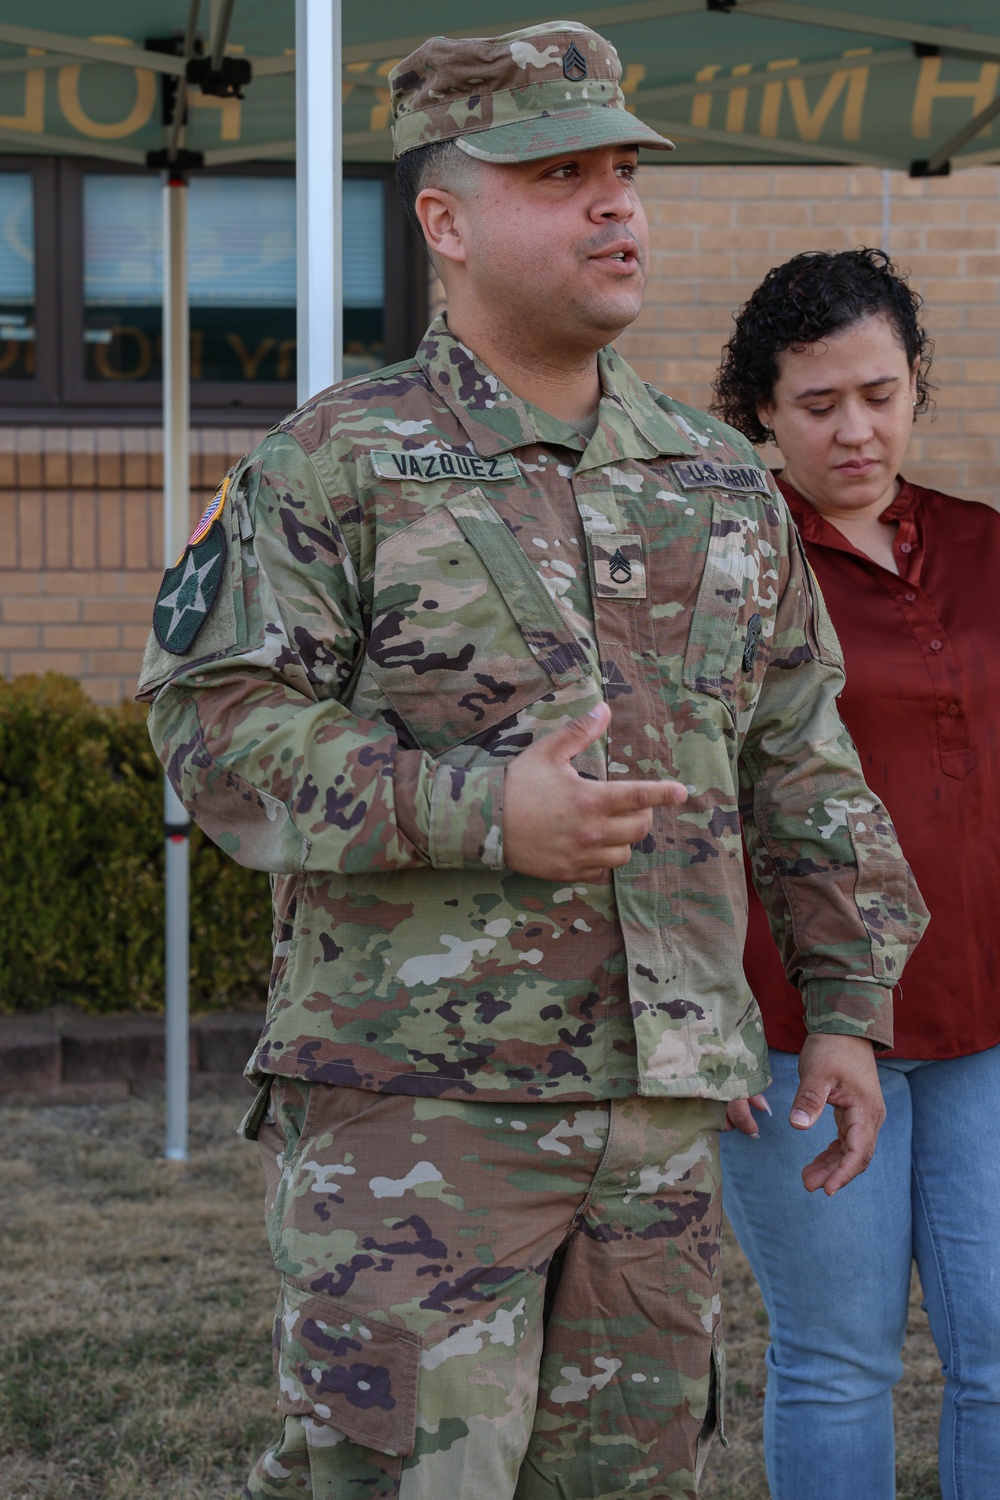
(829, 359)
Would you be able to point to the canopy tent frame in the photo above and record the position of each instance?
(52, 49)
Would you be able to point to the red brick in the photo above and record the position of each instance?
(82, 637)
(134, 636)
(111, 529)
(108, 690)
(106, 663)
(70, 662)
(40, 611)
(12, 636)
(29, 457)
(13, 582)
(119, 611)
(83, 529)
(30, 532)
(144, 585)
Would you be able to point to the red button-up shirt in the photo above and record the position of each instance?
(922, 700)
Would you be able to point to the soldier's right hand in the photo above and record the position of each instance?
(559, 826)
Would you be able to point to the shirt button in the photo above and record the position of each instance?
(910, 598)
(906, 546)
(937, 645)
(954, 710)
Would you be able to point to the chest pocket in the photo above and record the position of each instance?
(464, 633)
(733, 616)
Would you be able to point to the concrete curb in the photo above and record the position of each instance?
(61, 1058)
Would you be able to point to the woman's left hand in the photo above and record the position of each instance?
(739, 1115)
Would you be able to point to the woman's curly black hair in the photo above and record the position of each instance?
(810, 296)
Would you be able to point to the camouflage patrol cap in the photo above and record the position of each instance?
(518, 97)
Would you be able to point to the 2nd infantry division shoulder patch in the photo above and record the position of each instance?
(190, 588)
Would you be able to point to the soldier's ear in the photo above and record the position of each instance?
(439, 213)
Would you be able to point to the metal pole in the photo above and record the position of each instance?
(178, 826)
(318, 178)
(176, 526)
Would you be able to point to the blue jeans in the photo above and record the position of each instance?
(835, 1274)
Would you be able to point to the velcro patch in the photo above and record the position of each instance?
(211, 513)
(428, 468)
(619, 571)
(708, 475)
(188, 592)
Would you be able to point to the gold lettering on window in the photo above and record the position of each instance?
(250, 363)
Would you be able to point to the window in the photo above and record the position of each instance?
(28, 286)
(17, 276)
(105, 326)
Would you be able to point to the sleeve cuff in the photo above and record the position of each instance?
(849, 1007)
(465, 824)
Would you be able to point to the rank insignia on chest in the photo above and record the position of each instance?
(442, 464)
(190, 588)
(619, 571)
(708, 475)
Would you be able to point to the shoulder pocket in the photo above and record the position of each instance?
(822, 637)
(464, 633)
(733, 595)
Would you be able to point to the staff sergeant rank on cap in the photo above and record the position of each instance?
(520, 97)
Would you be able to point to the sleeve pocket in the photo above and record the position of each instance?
(713, 659)
(355, 1375)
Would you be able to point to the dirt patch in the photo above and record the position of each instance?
(135, 1349)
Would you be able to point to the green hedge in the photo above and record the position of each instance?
(81, 856)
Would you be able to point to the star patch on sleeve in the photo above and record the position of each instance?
(189, 590)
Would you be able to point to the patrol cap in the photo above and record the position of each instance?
(518, 97)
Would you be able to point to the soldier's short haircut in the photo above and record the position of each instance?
(441, 164)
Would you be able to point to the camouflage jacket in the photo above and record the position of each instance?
(423, 574)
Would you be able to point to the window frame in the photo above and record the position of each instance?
(42, 389)
(66, 394)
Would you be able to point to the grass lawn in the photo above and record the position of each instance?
(137, 1300)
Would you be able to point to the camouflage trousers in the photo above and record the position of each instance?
(491, 1302)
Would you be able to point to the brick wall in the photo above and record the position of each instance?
(717, 230)
(80, 548)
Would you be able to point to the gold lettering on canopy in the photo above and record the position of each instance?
(33, 118)
(770, 108)
(810, 122)
(100, 130)
(736, 109)
(701, 104)
(930, 87)
(230, 113)
(379, 117)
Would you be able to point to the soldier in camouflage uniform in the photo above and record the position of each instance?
(484, 657)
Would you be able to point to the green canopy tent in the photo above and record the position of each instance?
(870, 82)
(177, 85)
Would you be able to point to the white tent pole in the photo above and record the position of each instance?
(318, 193)
(176, 525)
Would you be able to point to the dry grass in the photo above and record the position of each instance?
(137, 1297)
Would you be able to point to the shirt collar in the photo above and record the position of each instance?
(816, 528)
(630, 423)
